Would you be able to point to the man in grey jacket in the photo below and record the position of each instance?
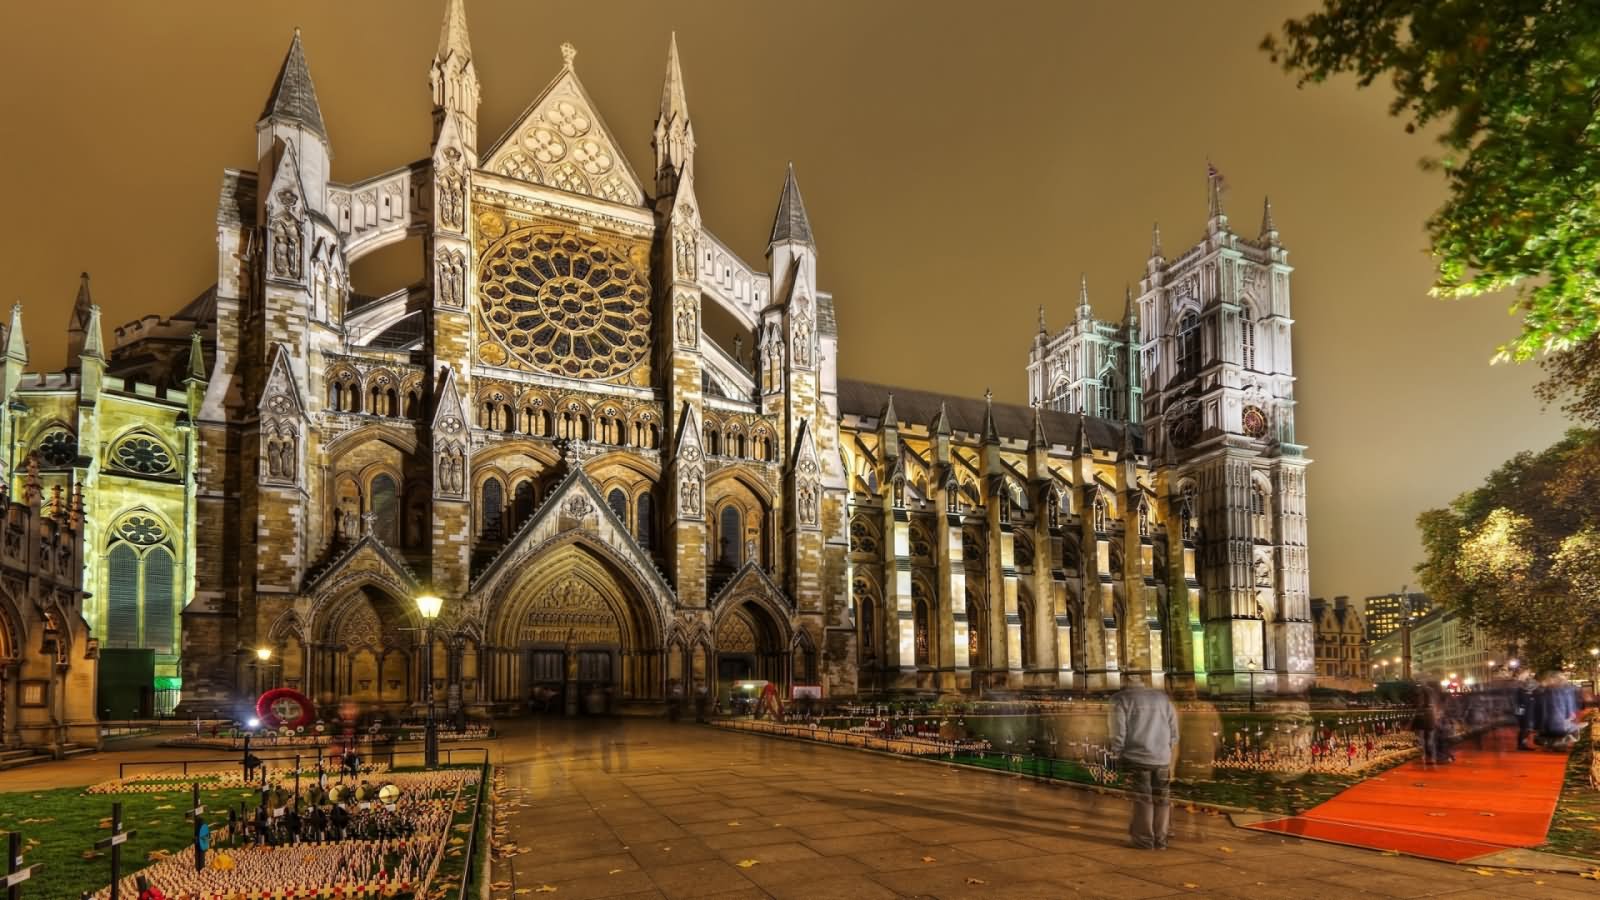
(1144, 736)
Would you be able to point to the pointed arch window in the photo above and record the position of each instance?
(618, 501)
(1189, 346)
(386, 510)
(1025, 618)
(975, 654)
(644, 512)
(491, 509)
(730, 530)
(1111, 395)
(921, 631)
(141, 585)
(522, 504)
(1247, 339)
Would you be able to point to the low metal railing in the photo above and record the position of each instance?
(467, 756)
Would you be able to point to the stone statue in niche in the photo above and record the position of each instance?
(286, 247)
(452, 191)
(685, 321)
(689, 493)
(451, 266)
(806, 503)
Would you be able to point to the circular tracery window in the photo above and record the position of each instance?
(58, 448)
(143, 455)
(565, 304)
(142, 530)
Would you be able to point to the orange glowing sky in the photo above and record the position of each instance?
(961, 163)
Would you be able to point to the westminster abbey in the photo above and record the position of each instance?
(542, 432)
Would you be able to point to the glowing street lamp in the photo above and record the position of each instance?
(1251, 665)
(263, 653)
(428, 606)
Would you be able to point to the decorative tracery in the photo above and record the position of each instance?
(564, 303)
(142, 454)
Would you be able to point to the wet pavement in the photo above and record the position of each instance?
(648, 809)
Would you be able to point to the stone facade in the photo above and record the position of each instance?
(1342, 649)
(613, 505)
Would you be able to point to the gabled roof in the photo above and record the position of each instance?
(294, 97)
(1013, 421)
(561, 141)
(749, 576)
(368, 545)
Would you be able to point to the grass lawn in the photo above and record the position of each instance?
(1575, 827)
(60, 826)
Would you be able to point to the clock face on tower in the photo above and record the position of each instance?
(1185, 428)
(562, 302)
(1254, 421)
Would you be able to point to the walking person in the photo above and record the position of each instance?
(1527, 714)
(1144, 736)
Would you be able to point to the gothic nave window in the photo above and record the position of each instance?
(645, 521)
(869, 627)
(618, 501)
(1025, 618)
(730, 530)
(1247, 338)
(140, 572)
(1189, 346)
(974, 634)
(386, 510)
(490, 509)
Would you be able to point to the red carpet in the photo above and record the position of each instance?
(1486, 801)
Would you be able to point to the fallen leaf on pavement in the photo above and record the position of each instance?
(976, 881)
(747, 863)
(929, 859)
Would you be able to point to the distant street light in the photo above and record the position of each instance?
(428, 605)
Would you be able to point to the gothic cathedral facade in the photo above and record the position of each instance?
(542, 432)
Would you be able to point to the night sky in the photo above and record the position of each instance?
(961, 163)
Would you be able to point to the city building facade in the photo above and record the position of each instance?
(1342, 647)
(611, 503)
(1385, 612)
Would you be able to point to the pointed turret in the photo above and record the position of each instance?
(790, 224)
(1038, 439)
(888, 416)
(93, 345)
(294, 97)
(1044, 327)
(941, 421)
(1038, 446)
(1155, 241)
(1216, 219)
(1082, 447)
(1130, 312)
(1085, 311)
(78, 320)
(197, 358)
(1269, 228)
(991, 434)
(674, 135)
(16, 345)
(454, 78)
(889, 436)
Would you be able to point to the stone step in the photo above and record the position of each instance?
(11, 760)
(18, 753)
(70, 750)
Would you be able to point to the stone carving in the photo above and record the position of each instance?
(570, 610)
(452, 266)
(686, 249)
(452, 191)
(687, 330)
(689, 492)
(561, 144)
(451, 473)
(578, 507)
(286, 239)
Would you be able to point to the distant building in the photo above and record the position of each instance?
(1383, 613)
(1444, 644)
(1341, 645)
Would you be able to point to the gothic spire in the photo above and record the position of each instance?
(16, 345)
(1155, 241)
(1269, 228)
(1216, 219)
(294, 97)
(1039, 440)
(791, 223)
(93, 346)
(991, 434)
(1130, 312)
(197, 357)
(888, 417)
(1043, 328)
(1083, 447)
(78, 320)
(1084, 310)
(941, 422)
(674, 135)
(453, 33)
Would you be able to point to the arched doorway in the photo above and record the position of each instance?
(577, 637)
(364, 651)
(752, 644)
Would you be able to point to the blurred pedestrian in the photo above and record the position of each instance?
(1527, 711)
(1558, 709)
(1144, 734)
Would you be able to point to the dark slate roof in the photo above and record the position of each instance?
(406, 330)
(791, 223)
(294, 98)
(826, 323)
(236, 205)
(202, 310)
(1013, 421)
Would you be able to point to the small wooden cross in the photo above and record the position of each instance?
(115, 841)
(195, 813)
(16, 872)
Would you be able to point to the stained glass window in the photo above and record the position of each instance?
(142, 454)
(564, 303)
(58, 448)
(1189, 346)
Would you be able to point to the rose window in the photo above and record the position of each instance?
(142, 455)
(565, 304)
(141, 530)
(58, 448)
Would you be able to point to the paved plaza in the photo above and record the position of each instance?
(644, 809)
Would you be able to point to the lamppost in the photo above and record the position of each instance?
(263, 655)
(1251, 666)
(428, 605)
(1405, 631)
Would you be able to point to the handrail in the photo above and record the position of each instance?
(447, 752)
(470, 851)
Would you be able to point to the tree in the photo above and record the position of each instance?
(1520, 555)
(1513, 87)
